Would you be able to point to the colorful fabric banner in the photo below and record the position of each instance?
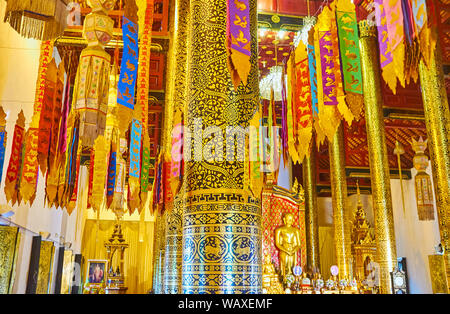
(135, 165)
(421, 20)
(46, 116)
(386, 57)
(239, 40)
(129, 66)
(303, 101)
(394, 20)
(291, 112)
(145, 13)
(15, 160)
(3, 138)
(177, 152)
(350, 55)
(328, 73)
(313, 77)
(100, 173)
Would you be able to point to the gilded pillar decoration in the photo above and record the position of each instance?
(311, 210)
(437, 120)
(9, 247)
(173, 247)
(339, 199)
(158, 254)
(222, 220)
(379, 166)
(174, 110)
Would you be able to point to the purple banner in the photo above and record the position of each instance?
(239, 25)
(327, 63)
(383, 39)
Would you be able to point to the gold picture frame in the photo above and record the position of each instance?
(96, 272)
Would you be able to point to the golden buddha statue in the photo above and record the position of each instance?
(287, 240)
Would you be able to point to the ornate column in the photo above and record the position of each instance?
(339, 199)
(221, 220)
(175, 100)
(311, 211)
(159, 253)
(437, 119)
(379, 166)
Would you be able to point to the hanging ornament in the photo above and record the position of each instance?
(41, 20)
(90, 95)
(424, 188)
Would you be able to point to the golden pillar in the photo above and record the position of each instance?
(159, 253)
(342, 238)
(311, 211)
(175, 100)
(437, 119)
(379, 166)
(221, 219)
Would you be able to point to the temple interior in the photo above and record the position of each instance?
(224, 147)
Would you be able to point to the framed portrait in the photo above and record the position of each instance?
(96, 272)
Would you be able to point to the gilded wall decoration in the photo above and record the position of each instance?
(9, 246)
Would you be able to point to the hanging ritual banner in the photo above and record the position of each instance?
(303, 101)
(168, 195)
(135, 163)
(46, 116)
(395, 32)
(328, 73)
(427, 43)
(255, 153)
(112, 169)
(3, 139)
(313, 75)
(119, 188)
(56, 117)
(350, 55)
(15, 160)
(30, 170)
(411, 42)
(291, 113)
(177, 151)
(423, 185)
(100, 172)
(284, 127)
(129, 66)
(239, 40)
(70, 174)
(386, 58)
(145, 14)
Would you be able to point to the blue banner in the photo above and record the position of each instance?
(129, 66)
(2, 150)
(313, 80)
(112, 174)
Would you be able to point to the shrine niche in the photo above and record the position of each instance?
(276, 202)
(364, 247)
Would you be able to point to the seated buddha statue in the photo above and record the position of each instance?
(287, 241)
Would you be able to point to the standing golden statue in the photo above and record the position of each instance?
(287, 240)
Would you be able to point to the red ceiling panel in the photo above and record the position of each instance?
(289, 7)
